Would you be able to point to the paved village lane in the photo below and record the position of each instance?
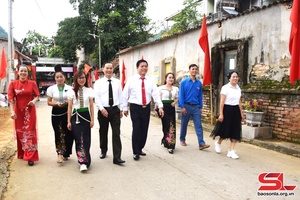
(187, 174)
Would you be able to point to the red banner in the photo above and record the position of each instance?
(123, 75)
(203, 42)
(3, 65)
(294, 45)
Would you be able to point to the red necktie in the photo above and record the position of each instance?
(143, 92)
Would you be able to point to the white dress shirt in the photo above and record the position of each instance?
(101, 92)
(132, 92)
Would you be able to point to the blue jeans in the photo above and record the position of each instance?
(193, 111)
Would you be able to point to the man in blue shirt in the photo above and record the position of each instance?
(190, 101)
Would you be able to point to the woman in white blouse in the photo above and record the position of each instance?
(81, 118)
(57, 98)
(231, 115)
(169, 97)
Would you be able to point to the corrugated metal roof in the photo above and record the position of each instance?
(3, 34)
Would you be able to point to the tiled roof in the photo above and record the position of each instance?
(250, 10)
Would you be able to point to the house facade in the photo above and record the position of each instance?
(253, 42)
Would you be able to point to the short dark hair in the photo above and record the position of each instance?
(193, 65)
(230, 73)
(140, 61)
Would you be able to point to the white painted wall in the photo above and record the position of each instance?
(267, 30)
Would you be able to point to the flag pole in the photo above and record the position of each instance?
(211, 105)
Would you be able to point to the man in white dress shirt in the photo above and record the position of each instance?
(138, 91)
(108, 101)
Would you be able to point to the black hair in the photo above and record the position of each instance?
(230, 73)
(140, 61)
(193, 65)
(58, 69)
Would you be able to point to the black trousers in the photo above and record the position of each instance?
(140, 116)
(63, 137)
(114, 120)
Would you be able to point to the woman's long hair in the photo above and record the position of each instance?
(76, 85)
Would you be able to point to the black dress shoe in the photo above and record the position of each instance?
(142, 153)
(118, 161)
(30, 163)
(102, 155)
(136, 156)
(170, 151)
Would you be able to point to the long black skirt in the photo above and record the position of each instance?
(169, 126)
(231, 126)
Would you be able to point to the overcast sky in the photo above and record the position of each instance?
(43, 16)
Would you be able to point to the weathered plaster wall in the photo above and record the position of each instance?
(266, 30)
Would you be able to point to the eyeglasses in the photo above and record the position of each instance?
(81, 78)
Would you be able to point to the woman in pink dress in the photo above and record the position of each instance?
(22, 96)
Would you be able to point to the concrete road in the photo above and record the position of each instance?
(187, 174)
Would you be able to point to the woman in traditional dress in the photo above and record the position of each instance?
(57, 98)
(169, 97)
(231, 115)
(81, 118)
(22, 96)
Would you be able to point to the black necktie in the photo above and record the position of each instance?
(110, 94)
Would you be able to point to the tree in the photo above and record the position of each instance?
(119, 23)
(72, 35)
(36, 44)
(188, 18)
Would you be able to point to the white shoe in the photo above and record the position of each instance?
(83, 167)
(217, 147)
(232, 154)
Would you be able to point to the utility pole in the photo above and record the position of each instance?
(98, 36)
(10, 41)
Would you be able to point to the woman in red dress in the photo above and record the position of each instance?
(22, 96)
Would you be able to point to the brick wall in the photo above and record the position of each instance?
(282, 109)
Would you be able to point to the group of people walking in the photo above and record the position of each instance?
(73, 112)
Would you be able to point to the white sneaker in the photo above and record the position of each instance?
(232, 154)
(217, 147)
(83, 167)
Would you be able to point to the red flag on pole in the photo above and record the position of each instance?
(3, 65)
(123, 75)
(203, 42)
(86, 71)
(294, 45)
(96, 74)
(33, 71)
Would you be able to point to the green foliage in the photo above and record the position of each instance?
(73, 34)
(120, 24)
(188, 18)
(36, 44)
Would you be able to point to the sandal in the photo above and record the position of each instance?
(59, 159)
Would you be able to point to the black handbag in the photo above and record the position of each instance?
(215, 131)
